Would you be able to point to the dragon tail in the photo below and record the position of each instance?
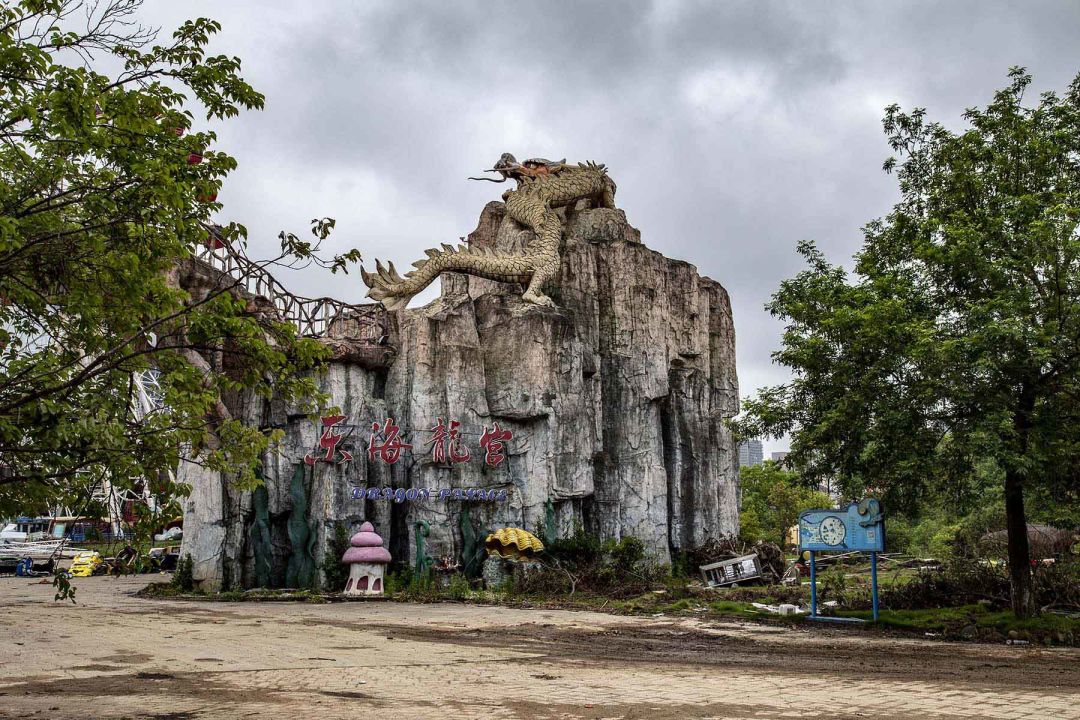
(394, 291)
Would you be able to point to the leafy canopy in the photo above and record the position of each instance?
(772, 499)
(956, 340)
(105, 189)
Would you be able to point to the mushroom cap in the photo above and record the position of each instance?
(367, 537)
(373, 555)
(366, 547)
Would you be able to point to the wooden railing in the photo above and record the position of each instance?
(311, 316)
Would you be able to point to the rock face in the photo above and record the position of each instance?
(616, 400)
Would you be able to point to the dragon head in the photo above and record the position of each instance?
(505, 166)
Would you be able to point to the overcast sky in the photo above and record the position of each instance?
(733, 129)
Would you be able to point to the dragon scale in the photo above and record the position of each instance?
(542, 187)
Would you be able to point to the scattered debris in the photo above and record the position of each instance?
(733, 571)
(781, 609)
(173, 533)
(770, 558)
(1043, 540)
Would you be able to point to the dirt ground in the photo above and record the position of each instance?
(114, 655)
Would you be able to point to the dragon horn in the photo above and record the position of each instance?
(383, 273)
(394, 273)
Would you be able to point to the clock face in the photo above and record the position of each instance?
(832, 530)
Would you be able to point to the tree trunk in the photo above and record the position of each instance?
(1019, 551)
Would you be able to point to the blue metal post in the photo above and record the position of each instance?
(873, 581)
(813, 586)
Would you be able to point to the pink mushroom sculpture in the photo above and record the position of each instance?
(368, 559)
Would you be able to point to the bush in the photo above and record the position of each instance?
(627, 553)
(898, 535)
(1057, 585)
(980, 521)
(335, 571)
(459, 587)
(959, 581)
(183, 577)
(582, 562)
(832, 584)
(407, 585)
(578, 550)
(395, 581)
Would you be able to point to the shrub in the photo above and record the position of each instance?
(931, 535)
(959, 581)
(578, 550)
(898, 535)
(183, 577)
(627, 553)
(987, 518)
(583, 562)
(335, 571)
(459, 587)
(395, 581)
(832, 584)
(407, 585)
(1057, 585)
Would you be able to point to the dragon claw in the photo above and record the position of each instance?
(535, 298)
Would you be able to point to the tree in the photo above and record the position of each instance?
(104, 192)
(956, 341)
(772, 499)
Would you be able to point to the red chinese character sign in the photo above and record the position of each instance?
(384, 443)
(492, 444)
(328, 441)
(445, 443)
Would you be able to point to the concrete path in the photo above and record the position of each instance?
(117, 656)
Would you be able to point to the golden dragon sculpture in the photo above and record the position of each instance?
(542, 186)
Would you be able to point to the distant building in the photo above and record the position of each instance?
(779, 457)
(750, 453)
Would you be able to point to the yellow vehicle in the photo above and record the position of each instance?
(84, 564)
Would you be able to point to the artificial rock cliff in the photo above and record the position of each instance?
(616, 399)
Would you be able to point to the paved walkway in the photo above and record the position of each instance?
(115, 656)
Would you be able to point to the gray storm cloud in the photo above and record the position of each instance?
(733, 129)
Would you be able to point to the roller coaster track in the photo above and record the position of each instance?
(313, 317)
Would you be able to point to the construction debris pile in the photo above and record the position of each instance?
(730, 561)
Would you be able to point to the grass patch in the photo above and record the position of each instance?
(733, 607)
(978, 622)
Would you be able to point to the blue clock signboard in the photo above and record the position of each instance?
(859, 527)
